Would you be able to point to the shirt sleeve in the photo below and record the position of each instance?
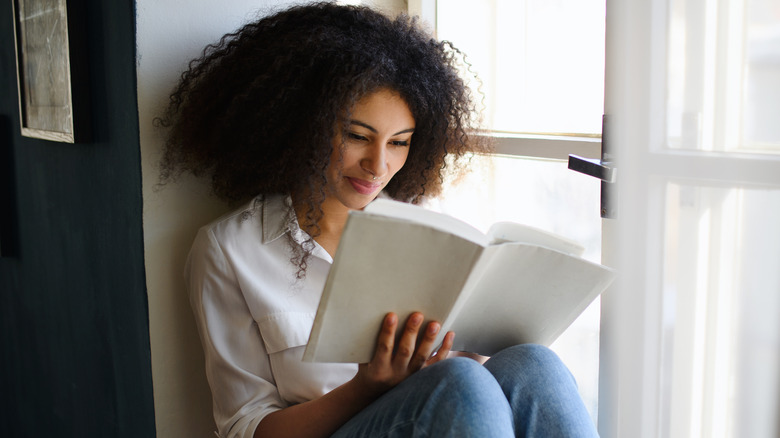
(237, 364)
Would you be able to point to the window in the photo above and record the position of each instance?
(691, 340)
(540, 66)
(717, 324)
(541, 62)
(722, 76)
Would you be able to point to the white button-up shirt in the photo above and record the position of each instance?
(254, 317)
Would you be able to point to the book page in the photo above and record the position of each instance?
(502, 232)
(526, 294)
(385, 265)
(420, 215)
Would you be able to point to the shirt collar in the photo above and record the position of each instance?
(279, 218)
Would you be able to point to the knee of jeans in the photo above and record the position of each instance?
(532, 354)
(460, 376)
(458, 370)
(466, 399)
(536, 357)
(457, 367)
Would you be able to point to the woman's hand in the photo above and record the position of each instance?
(389, 367)
(322, 416)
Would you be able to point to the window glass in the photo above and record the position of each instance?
(724, 76)
(540, 62)
(720, 331)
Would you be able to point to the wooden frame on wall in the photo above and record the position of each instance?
(49, 73)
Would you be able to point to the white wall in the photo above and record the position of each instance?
(169, 34)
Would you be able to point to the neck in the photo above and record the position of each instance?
(330, 225)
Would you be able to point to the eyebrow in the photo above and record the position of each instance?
(372, 129)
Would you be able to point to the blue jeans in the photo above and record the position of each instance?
(523, 391)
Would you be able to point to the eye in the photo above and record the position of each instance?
(354, 136)
(403, 143)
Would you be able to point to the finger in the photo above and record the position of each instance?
(425, 349)
(444, 349)
(406, 345)
(386, 339)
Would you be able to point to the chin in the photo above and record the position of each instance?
(359, 202)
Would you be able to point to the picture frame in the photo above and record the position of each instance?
(50, 76)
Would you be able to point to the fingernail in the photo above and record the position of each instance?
(417, 319)
(433, 329)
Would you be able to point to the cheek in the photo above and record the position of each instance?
(399, 159)
(349, 159)
(341, 159)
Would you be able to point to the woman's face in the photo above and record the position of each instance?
(377, 143)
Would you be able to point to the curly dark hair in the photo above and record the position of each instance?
(257, 111)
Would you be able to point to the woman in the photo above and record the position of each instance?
(306, 115)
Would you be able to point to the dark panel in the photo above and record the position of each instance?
(8, 227)
(74, 338)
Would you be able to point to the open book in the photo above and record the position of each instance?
(515, 284)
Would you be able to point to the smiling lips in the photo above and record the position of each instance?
(364, 187)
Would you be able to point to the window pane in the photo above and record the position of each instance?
(724, 75)
(541, 62)
(544, 194)
(721, 301)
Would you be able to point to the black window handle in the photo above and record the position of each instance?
(592, 167)
(601, 169)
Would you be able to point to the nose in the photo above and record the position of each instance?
(375, 160)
